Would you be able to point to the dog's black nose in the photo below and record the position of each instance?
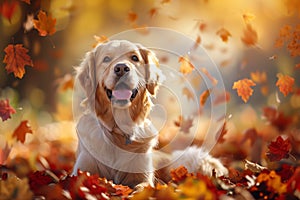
(121, 69)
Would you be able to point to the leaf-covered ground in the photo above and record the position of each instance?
(256, 46)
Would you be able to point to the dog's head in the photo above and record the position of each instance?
(120, 75)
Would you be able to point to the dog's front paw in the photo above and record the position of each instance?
(212, 166)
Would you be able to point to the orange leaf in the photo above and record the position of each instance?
(65, 83)
(8, 8)
(248, 17)
(250, 36)
(188, 93)
(186, 66)
(209, 76)
(153, 12)
(259, 77)
(21, 131)
(204, 96)
(224, 34)
(297, 66)
(132, 17)
(197, 42)
(45, 24)
(16, 58)
(285, 83)
(244, 89)
(100, 39)
(179, 174)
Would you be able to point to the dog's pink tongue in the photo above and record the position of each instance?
(122, 94)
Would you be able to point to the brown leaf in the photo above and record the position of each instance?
(16, 58)
(224, 34)
(243, 88)
(45, 24)
(132, 17)
(279, 149)
(204, 96)
(6, 110)
(21, 131)
(186, 66)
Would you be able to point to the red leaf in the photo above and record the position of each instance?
(8, 8)
(16, 58)
(276, 118)
(38, 179)
(21, 131)
(6, 110)
(279, 149)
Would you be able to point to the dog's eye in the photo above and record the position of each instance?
(134, 58)
(106, 59)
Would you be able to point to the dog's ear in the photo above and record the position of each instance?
(86, 76)
(154, 75)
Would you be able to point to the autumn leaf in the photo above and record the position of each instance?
(21, 131)
(65, 83)
(297, 66)
(4, 153)
(153, 12)
(277, 118)
(204, 96)
(224, 34)
(285, 83)
(8, 8)
(250, 36)
(197, 42)
(279, 149)
(259, 77)
(222, 98)
(188, 93)
(186, 66)
(6, 110)
(243, 88)
(179, 174)
(45, 24)
(184, 124)
(248, 17)
(273, 182)
(132, 17)
(16, 58)
(213, 80)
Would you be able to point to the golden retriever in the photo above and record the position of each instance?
(116, 138)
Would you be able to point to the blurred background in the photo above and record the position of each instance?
(44, 94)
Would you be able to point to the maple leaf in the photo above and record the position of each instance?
(188, 93)
(186, 66)
(224, 34)
(4, 153)
(243, 88)
(6, 110)
(279, 149)
(250, 36)
(21, 131)
(179, 174)
(259, 77)
(8, 8)
(184, 124)
(45, 24)
(204, 96)
(16, 58)
(285, 83)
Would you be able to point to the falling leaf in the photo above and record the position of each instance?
(184, 124)
(197, 42)
(8, 8)
(243, 88)
(6, 110)
(21, 131)
(4, 153)
(188, 93)
(285, 83)
(248, 17)
(204, 96)
(276, 118)
(222, 98)
(224, 34)
(65, 83)
(250, 36)
(297, 66)
(259, 77)
(209, 76)
(28, 25)
(202, 26)
(186, 66)
(225, 63)
(45, 24)
(153, 12)
(132, 17)
(16, 58)
(279, 149)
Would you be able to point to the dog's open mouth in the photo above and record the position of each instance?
(121, 94)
